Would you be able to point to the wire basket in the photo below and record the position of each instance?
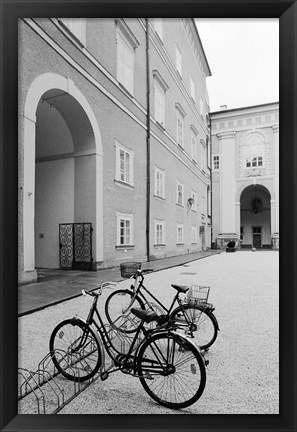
(129, 269)
(198, 294)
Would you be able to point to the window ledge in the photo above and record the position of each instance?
(124, 184)
(122, 247)
(180, 205)
(160, 125)
(159, 245)
(125, 90)
(180, 244)
(158, 197)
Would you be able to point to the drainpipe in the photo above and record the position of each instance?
(148, 145)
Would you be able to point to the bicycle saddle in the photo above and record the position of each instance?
(145, 315)
(180, 288)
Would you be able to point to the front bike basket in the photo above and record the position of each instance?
(129, 269)
(197, 294)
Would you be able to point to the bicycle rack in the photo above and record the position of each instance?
(46, 391)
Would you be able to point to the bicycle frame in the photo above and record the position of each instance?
(137, 292)
(112, 351)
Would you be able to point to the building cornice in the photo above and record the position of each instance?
(226, 135)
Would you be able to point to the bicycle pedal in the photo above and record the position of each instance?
(104, 376)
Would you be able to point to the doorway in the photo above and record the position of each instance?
(257, 237)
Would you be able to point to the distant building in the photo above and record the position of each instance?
(114, 157)
(245, 176)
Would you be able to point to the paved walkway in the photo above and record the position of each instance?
(55, 286)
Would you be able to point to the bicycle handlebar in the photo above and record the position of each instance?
(93, 294)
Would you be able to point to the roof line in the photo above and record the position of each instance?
(243, 108)
(205, 58)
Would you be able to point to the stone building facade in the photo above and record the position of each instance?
(245, 176)
(114, 157)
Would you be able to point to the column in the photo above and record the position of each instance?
(227, 185)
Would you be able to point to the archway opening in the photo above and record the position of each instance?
(65, 172)
(255, 217)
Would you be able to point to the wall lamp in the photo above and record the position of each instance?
(190, 202)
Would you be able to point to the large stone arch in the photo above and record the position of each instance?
(41, 85)
(262, 186)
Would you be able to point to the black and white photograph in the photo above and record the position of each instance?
(148, 217)
(139, 183)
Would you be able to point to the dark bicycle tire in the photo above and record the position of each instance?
(204, 324)
(114, 305)
(75, 364)
(186, 382)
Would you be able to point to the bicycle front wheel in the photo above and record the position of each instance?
(117, 311)
(171, 370)
(75, 350)
(201, 324)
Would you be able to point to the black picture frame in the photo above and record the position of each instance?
(286, 11)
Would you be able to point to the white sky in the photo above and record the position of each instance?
(243, 56)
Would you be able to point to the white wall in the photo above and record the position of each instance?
(54, 204)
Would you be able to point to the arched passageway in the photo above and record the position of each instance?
(255, 217)
(62, 169)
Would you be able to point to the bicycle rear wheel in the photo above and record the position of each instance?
(171, 370)
(75, 350)
(117, 314)
(201, 323)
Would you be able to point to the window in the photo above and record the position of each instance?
(160, 88)
(124, 164)
(77, 26)
(194, 234)
(178, 60)
(201, 107)
(180, 115)
(203, 155)
(159, 183)
(193, 145)
(159, 232)
(179, 194)
(195, 202)
(124, 229)
(208, 201)
(203, 209)
(216, 162)
(180, 129)
(126, 44)
(192, 88)
(159, 104)
(158, 26)
(208, 151)
(255, 155)
(179, 233)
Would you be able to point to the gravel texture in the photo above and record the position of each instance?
(243, 370)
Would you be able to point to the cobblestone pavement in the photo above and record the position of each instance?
(243, 370)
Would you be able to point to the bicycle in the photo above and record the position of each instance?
(194, 316)
(169, 366)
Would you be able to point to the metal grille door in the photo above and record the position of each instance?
(75, 240)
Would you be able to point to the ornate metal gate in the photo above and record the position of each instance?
(75, 240)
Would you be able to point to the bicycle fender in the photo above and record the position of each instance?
(76, 320)
(215, 320)
(189, 341)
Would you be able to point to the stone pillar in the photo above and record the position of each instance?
(29, 195)
(228, 213)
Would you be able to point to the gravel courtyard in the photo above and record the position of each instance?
(243, 370)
